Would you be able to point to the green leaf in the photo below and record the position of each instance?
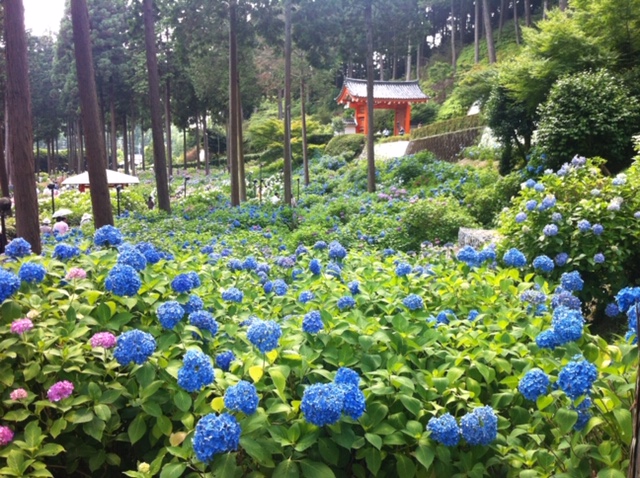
(425, 456)
(566, 419)
(373, 459)
(110, 396)
(95, 428)
(82, 415)
(31, 371)
(623, 417)
(173, 470)
(286, 469)
(611, 473)
(375, 440)
(103, 412)
(58, 426)
(256, 451)
(279, 381)
(33, 435)
(16, 415)
(182, 400)
(314, 469)
(412, 404)
(544, 401)
(137, 429)
(225, 466)
(50, 449)
(405, 466)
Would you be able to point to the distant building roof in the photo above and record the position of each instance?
(393, 91)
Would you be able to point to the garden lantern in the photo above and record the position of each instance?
(118, 189)
(52, 188)
(5, 210)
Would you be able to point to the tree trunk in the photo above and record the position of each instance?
(280, 108)
(515, 21)
(476, 32)
(545, 9)
(184, 147)
(371, 164)
(20, 141)
(527, 13)
(489, 31)
(501, 21)
(57, 154)
(394, 69)
(563, 5)
(159, 159)
(92, 125)
(132, 157)
(418, 59)
(205, 144)
(167, 116)
(198, 141)
(142, 144)
(241, 172)
(125, 145)
(49, 157)
(288, 173)
(83, 164)
(303, 112)
(113, 134)
(232, 141)
(453, 39)
(4, 177)
(409, 61)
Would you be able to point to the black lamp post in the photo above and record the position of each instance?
(186, 178)
(298, 199)
(255, 187)
(52, 188)
(261, 183)
(118, 189)
(5, 210)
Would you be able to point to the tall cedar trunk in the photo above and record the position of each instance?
(159, 159)
(241, 173)
(527, 13)
(83, 163)
(453, 39)
(515, 21)
(394, 69)
(501, 21)
(545, 9)
(303, 113)
(167, 116)
(20, 142)
(232, 141)
(7, 132)
(280, 112)
(184, 147)
(381, 60)
(125, 145)
(563, 5)
(418, 59)
(288, 173)
(91, 119)
(133, 143)
(142, 144)
(409, 61)
(476, 32)
(205, 144)
(371, 164)
(113, 134)
(198, 141)
(49, 162)
(4, 177)
(488, 31)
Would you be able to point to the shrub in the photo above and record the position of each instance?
(589, 113)
(484, 204)
(412, 167)
(347, 145)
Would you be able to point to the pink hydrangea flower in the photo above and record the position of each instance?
(18, 394)
(6, 435)
(76, 273)
(20, 326)
(103, 339)
(60, 390)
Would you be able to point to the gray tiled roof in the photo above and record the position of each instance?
(386, 90)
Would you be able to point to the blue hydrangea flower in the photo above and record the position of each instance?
(263, 267)
(598, 258)
(182, 284)
(264, 334)
(597, 229)
(627, 297)
(312, 322)
(267, 287)
(123, 280)
(280, 287)
(196, 371)
(17, 248)
(354, 402)
(547, 203)
(107, 236)
(194, 304)
(530, 183)
(584, 413)
(561, 259)
(131, 256)
(480, 427)
(204, 321)
(388, 252)
(336, 251)
(611, 310)
(32, 272)
(584, 225)
(233, 294)
(534, 384)
(65, 252)
(322, 404)
(533, 296)
(547, 339)
(473, 315)
(250, 264)
(521, 217)
(347, 376)
(354, 287)
(488, 254)
(566, 299)
(242, 397)
(444, 316)
(169, 314)
(224, 359)
(539, 187)
(334, 270)
(285, 262)
(320, 246)
(543, 263)
(550, 230)
(235, 265)
(134, 346)
(301, 250)
(577, 377)
(556, 217)
(346, 302)
(572, 281)
(514, 258)
(413, 302)
(531, 204)
(402, 269)
(150, 253)
(9, 284)
(215, 435)
(469, 256)
(305, 296)
(315, 267)
(444, 430)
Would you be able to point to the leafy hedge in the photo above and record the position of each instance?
(347, 145)
(455, 124)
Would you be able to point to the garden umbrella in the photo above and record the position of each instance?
(62, 212)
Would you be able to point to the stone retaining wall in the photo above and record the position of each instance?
(446, 146)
